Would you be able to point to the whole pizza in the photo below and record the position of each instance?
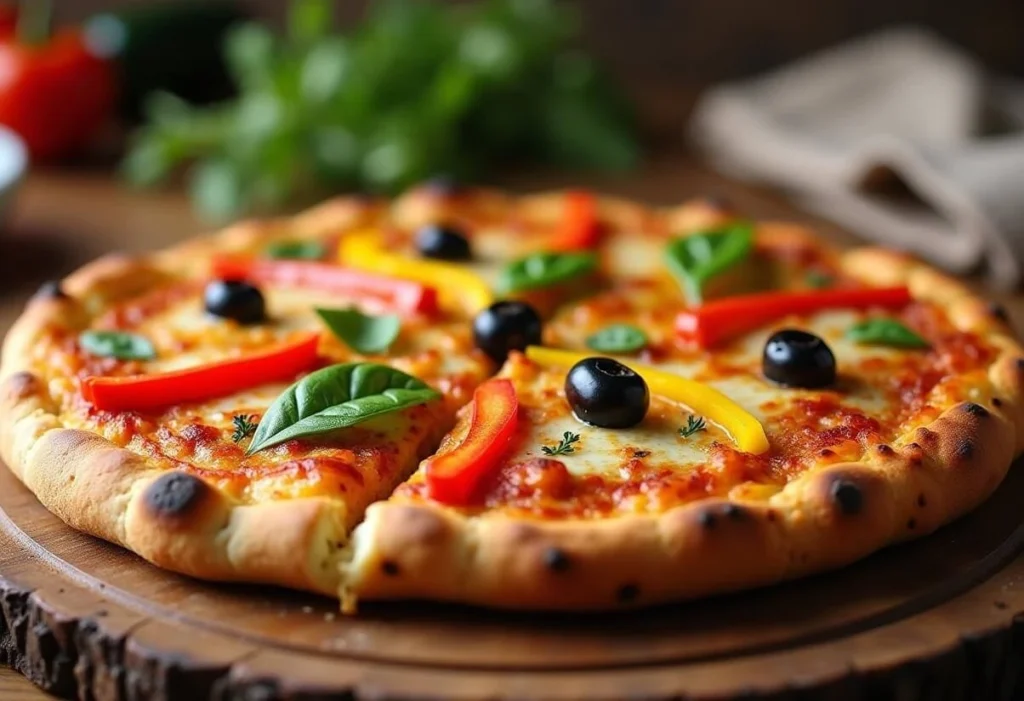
(555, 401)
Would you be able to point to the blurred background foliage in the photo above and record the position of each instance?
(660, 53)
(414, 90)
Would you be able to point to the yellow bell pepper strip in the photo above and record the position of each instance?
(744, 429)
(459, 287)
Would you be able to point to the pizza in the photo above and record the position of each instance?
(550, 401)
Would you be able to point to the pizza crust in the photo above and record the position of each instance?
(828, 517)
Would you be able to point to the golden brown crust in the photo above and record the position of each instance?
(823, 519)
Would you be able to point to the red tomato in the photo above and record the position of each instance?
(56, 95)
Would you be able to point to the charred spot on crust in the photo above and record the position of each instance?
(175, 494)
(847, 496)
(706, 519)
(640, 453)
(627, 593)
(998, 311)
(770, 514)
(734, 512)
(911, 524)
(885, 450)
(976, 410)
(965, 449)
(997, 402)
(556, 560)
(51, 289)
(390, 568)
(921, 501)
(1020, 364)
(21, 385)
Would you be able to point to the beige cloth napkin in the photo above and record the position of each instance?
(899, 137)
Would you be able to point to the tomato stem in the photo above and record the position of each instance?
(34, 18)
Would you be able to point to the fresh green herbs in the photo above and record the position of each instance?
(363, 333)
(116, 344)
(697, 258)
(417, 89)
(885, 332)
(245, 426)
(694, 424)
(544, 269)
(296, 250)
(819, 280)
(564, 447)
(337, 397)
(617, 338)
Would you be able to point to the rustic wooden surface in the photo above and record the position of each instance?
(101, 619)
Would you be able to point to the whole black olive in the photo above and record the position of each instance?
(506, 326)
(236, 300)
(442, 242)
(605, 393)
(799, 359)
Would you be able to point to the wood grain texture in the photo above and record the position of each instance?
(14, 687)
(929, 620)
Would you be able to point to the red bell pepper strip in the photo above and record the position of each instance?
(208, 381)
(726, 318)
(579, 228)
(405, 296)
(453, 478)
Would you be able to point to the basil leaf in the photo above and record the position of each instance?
(885, 332)
(336, 397)
(296, 250)
(363, 333)
(544, 269)
(116, 344)
(697, 258)
(617, 338)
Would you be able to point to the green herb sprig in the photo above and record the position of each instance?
(245, 425)
(566, 446)
(694, 424)
(416, 89)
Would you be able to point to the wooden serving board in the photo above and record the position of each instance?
(930, 620)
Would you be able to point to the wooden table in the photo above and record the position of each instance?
(63, 219)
